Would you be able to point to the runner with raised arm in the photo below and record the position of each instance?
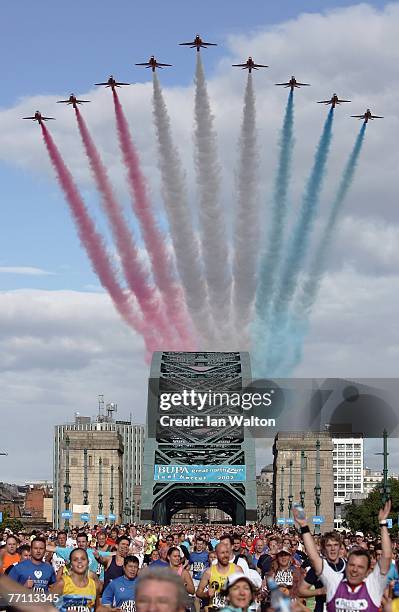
(357, 589)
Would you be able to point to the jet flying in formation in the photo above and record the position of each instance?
(72, 100)
(250, 65)
(112, 83)
(367, 115)
(198, 43)
(152, 63)
(39, 117)
(292, 83)
(333, 101)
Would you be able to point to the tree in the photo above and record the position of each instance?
(364, 516)
(11, 523)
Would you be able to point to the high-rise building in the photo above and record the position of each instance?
(303, 471)
(110, 453)
(348, 456)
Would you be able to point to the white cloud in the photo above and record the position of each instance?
(59, 350)
(24, 270)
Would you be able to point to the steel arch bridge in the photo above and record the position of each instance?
(197, 446)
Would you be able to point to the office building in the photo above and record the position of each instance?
(348, 456)
(110, 453)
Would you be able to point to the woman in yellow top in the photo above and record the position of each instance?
(78, 590)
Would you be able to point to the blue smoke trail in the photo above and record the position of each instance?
(270, 258)
(268, 267)
(298, 248)
(303, 307)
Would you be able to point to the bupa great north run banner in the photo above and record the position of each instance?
(200, 473)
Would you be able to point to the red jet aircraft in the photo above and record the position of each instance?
(292, 83)
(334, 101)
(198, 43)
(367, 115)
(72, 100)
(250, 65)
(152, 63)
(112, 83)
(38, 117)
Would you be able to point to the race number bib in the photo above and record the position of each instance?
(129, 606)
(345, 605)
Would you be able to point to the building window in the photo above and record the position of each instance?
(105, 462)
(74, 462)
(90, 461)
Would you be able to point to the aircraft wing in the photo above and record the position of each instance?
(210, 44)
(64, 101)
(376, 117)
(158, 64)
(101, 83)
(303, 84)
(82, 101)
(344, 100)
(324, 102)
(191, 44)
(358, 116)
(283, 84)
(259, 66)
(240, 65)
(144, 64)
(28, 117)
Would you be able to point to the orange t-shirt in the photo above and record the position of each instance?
(9, 560)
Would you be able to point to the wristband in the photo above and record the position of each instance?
(305, 529)
(383, 523)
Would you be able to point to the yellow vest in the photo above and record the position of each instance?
(218, 581)
(79, 597)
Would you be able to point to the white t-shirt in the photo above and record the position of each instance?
(375, 583)
(57, 562)
(71, 543)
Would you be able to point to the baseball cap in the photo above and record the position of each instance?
(359, 533)
(233, 578)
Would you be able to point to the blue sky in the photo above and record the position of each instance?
(51, 49)
(55, 49)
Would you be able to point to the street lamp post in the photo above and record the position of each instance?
(111, 497)
(290, 496)
(317, 489)
(302, 491)
(100, 486)
(85, 489)
(385, 490)
(282, 492)
(67, 486)
(127, 509)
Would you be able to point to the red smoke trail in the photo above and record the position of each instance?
(132, 267)
(160, 258)
(93, 243)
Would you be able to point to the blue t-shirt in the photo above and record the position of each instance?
(393, 573)
(159, 563)
(120, 593)
(198, 562)
(64, 553)
(42, 574)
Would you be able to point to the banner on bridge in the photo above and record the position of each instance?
(199, 473)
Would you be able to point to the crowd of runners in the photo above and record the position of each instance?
(199, 567)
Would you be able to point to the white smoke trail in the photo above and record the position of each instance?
(246, 231)
(212, 227)
(185, 243)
